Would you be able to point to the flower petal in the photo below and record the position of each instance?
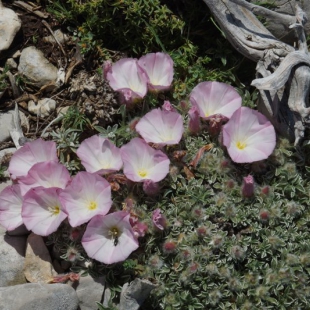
(46, 174)
(215, 98)
(248, 136)
(100, 245)
(99, 155)
(141, 162)
(159, 68)
(42, 211)
(31, 153)
(86, 196)
(162, 127)
(10, 207)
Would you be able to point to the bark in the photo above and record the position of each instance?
(282, 71)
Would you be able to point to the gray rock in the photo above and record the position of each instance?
(279, 30)
(43, 108)
(60, 36)
(38, 266)
(34, 296)
(11, 64)
(12, 256)
(9, 26)
(36, 67)
(133, 294)
(90, 290)
(6, 124)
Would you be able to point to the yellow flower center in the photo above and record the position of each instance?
(241, 145)
(142, 173)
(55, 210)
(92, 205)
(114, 233)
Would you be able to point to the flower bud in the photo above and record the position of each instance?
(151, 188)
(215, 123)
(194, 121)
(167, 106)
(248, 186)
(159, 220)
(106, 67)
(169, 247)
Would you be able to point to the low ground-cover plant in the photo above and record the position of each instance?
(196, 195)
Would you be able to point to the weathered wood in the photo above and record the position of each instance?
(282, 72)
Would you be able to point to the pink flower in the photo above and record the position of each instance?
(128, 78)
(141, 162)
(87, 196)
(159, 220)
(99, 155)
(46, 174)
(159, 69)
(31, 153)
(248, 136)
(110, 238)
(215, 98)
(167, 106)
(10, 207)
(162, 127)
(42, 211)
(248, 186)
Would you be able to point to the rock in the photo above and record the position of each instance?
(6, 124)
(90, 290)
(34, 296)
(279, 30)
(60, 36)
(44, 107)
(38, 266)
(9, 26)
(36, 67)
(12, 256)
(62, 111)
(133, 294)
(6, 152)
(11, 63)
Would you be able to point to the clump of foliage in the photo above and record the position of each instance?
(183, 29)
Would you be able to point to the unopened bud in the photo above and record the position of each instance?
(248, 186)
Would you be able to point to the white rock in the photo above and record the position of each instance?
(36, 67)
(34, 296)
(12, 252)
(9, 26)
(60, 36)
(44, 107)
(6, 124)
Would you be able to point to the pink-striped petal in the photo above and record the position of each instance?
(212, 98)
(42, 211)
(87, 195)
(31, 153)
(110, 238)
(10, 207)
